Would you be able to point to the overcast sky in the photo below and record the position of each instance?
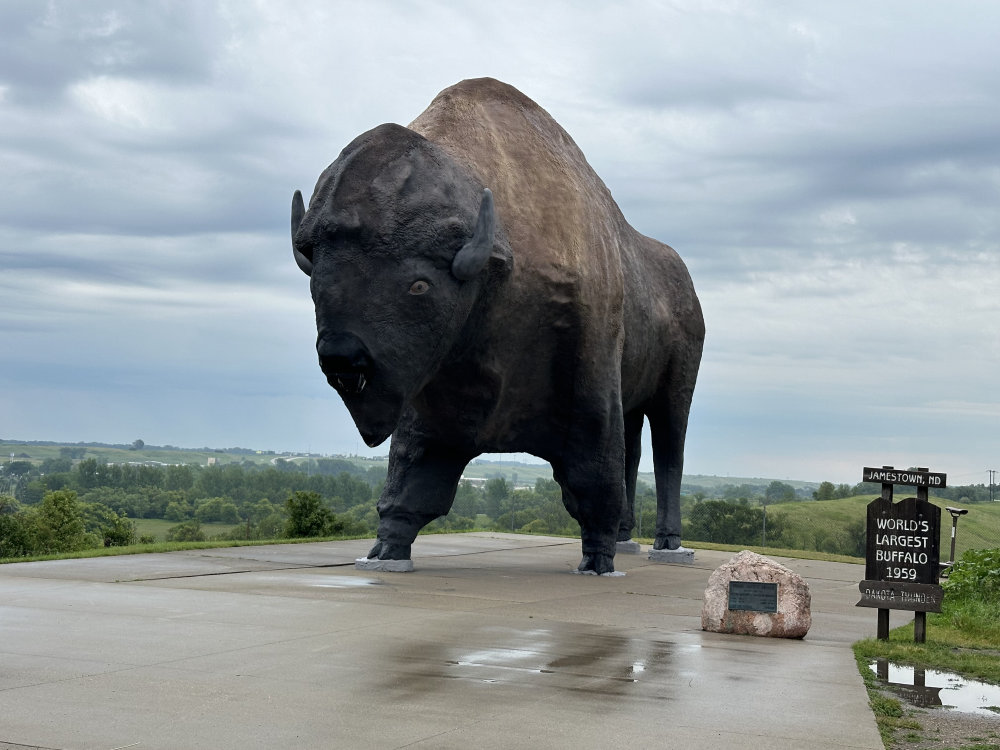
(830, 172)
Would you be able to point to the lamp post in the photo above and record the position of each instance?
(955, 513)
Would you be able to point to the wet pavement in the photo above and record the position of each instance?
(490, 643)
(931, 688)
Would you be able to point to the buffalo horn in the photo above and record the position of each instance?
(298, 211)
(471, 259)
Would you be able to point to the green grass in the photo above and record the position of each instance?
(142, 549)
(158, 527)
(770, 552)
(977, 530)
(963, 639)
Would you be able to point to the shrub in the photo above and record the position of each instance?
(308, 516)
(58, 524)
(189, 531)
(120, 532)
(975, 577)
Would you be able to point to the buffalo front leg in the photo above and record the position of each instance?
(592, 476)
(420, 487)
(668, 425)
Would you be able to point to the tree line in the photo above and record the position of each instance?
(63, 504)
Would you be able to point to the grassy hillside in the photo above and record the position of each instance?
(840, 518)
(517, 472)
(37, 452)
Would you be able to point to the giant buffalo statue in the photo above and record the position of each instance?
(478, 290)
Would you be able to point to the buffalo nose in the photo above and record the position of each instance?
(345, 361)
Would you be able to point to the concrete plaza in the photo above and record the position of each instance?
(491, 642)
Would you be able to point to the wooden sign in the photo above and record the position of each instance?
(913, 597)
(912, 478)
(903, 541)
(902, 549)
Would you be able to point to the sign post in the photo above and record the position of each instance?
(902, 554)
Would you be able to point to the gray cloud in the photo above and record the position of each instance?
(829, 173)
(45, 47)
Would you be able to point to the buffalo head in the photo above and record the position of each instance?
(396, 242)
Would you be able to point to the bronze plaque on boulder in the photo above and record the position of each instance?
(753, 596)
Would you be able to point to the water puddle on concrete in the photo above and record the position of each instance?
(929, 688)
(591, 662)
(320, 581)
(344, 582)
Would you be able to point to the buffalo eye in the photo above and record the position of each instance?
(419, 287)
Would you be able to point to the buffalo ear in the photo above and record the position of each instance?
(473, 256)
(299, 211)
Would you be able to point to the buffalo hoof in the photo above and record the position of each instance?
(596, 563)
(386, 551)
(667, 541)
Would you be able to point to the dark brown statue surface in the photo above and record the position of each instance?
(478, 290)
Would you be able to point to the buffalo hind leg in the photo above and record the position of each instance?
(633, 452)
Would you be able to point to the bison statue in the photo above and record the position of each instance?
(478, 290)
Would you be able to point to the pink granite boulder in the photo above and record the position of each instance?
(792, 618)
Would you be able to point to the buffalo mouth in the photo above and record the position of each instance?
(347, 383)
(345, 361)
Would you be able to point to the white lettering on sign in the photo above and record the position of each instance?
(893, 540)
(900, 556)
(902, 524)
(886, 595)
(914, 478)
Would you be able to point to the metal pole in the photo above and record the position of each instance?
(954, 533)
(955, 513)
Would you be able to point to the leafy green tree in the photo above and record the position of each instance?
(17, 468)
(309, 517)
(89, 474)
(779, 492)
(32, 492)
(120, 532)
(58, 523)
(217, 509)
(8, 505)
(731, 523)
(468, 500)
(645, 511)
(189, 531)
(178, 478)
(17, 538)
(741, 492)
(825, 491)
(15, 532)
(856, 538)
(178, 510)
(271, 526)
(496, 491)
(56, 466)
